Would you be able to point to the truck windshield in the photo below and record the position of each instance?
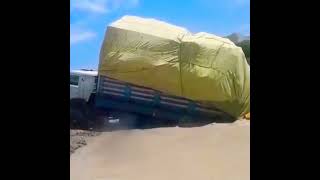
(74, 80)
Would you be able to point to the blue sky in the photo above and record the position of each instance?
(90, 18)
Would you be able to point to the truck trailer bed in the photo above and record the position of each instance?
(119, 95)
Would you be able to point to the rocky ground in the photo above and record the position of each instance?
(78, 138)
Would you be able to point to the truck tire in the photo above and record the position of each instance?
(77, 119)
(79, 114)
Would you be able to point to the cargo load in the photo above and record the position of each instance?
(201, 67)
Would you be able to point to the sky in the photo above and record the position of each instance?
(89, 20)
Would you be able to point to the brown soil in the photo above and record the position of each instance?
(78, 138)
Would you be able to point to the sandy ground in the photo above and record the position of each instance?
(211, 152)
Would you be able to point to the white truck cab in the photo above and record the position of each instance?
(83, 83)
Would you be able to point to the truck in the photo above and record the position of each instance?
(154, 72)
(97, 100)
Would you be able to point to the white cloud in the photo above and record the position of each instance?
(100, 6)
(94, 6)
(79, 34)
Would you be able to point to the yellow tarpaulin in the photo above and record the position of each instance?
(202, 67)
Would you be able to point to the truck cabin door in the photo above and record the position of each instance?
(86, 89)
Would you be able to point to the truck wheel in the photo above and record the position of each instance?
(78, 119)
(79, 114)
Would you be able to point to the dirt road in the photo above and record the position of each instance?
(212, 152)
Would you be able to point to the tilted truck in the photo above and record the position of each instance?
(153, 71)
